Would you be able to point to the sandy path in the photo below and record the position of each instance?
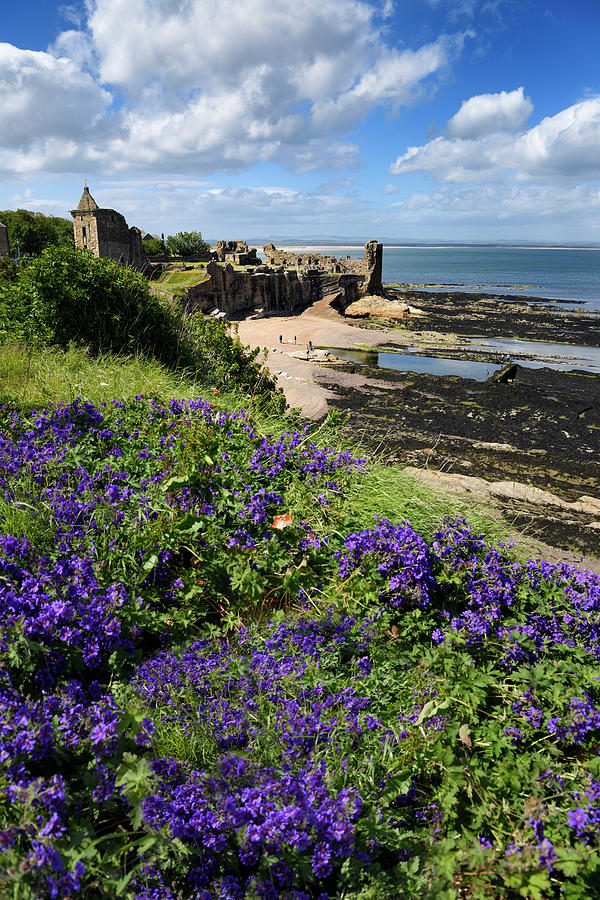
(322, 325)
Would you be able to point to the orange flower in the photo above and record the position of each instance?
(282, 521)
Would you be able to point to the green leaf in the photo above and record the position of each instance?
(189, 524)
(176, 481)
(431, 708)
(150, 563)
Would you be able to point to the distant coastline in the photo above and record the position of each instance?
(332, 247)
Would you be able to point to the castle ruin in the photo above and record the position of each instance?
(288, 283)
(4, 248)
(105, 232)
(236, 253)
(368, 269)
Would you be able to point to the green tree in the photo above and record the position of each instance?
(30, 232)
(153, 246)
(186, 243)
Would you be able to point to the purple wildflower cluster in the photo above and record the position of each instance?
(455, 694)
(86, 488)
(246, 812)
(395, 553)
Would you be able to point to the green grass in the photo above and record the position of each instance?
(33, 377)
(390, 492)
(171, 281)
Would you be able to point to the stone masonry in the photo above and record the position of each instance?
(236, 253)
(285, 287)
(368, 268)
(4, 248)
(105, 232)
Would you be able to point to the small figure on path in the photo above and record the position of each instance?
(310, 346)
(280, 338)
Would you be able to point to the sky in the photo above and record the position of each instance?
(402, 120)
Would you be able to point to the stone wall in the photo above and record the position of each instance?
(276, 291)
(237, 253)
(4, 248)
(291, 259)
(368, 269)
(235, 291)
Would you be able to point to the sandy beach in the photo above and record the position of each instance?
(297, 375)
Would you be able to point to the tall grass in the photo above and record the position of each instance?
(37, 376)
(391, 493)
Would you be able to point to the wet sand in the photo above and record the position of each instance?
(322, 325)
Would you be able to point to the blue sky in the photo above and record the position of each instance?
(431, 120)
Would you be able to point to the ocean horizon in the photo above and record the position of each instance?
(567, 273)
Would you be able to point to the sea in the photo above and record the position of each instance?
(559, 273)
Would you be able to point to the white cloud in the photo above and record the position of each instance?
(234, 211)
(394, 80)
(200, 85)
(565, 145)
(549, 212)
(44, 98)
(560, 147)
(487, 113)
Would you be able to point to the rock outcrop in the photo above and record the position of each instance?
(380, 308)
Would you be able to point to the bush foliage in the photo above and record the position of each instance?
(153, 246)
(186, 243)
(68, 296)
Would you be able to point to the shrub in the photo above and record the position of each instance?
(153, 246)
(68, 296)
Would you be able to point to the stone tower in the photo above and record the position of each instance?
(105, 232)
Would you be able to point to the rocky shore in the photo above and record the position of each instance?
(500, 315)
(536, 432)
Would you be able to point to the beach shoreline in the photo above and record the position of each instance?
(538, 431)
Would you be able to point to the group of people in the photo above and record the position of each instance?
(309, 346)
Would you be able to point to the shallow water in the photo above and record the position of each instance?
(579, 357)
(414, 362)
(582, 358)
